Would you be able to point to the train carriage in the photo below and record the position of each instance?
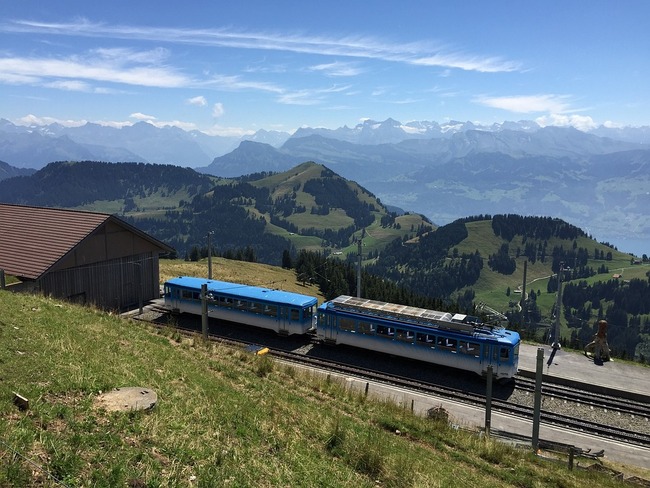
(284, 312)
(447, 339)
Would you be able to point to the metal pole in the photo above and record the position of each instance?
(3, 285)
(210, 254)
(138, 284)
(538, 397)
(523, 294)
(359, 270)
(558, 310)
(488, 401)
(204, 310)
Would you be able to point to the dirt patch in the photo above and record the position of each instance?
(127, 399)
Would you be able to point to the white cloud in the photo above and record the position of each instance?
(527, 103)
(337, 68)
(310, 96)
(141, 116)
(422, 53)
(35, 120)
(118, 124)
(217, 110)
(467, 63)
(187, 126)
(236, 83)
(580, 122)
(217, 130)
(70, 85)
(200, 101)
(89, 68)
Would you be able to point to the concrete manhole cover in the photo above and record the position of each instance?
(127, 399)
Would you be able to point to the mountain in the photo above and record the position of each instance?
(36, 146)
(8, 171)
(29, 149)
(596, 183)
(251, 157)
(441, 170)
(308, 206)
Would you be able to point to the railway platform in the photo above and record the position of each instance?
(614, 378)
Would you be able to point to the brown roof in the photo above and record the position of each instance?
(33, 239)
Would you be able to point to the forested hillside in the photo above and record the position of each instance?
(258, 215)
(75, 184)
(482, 259)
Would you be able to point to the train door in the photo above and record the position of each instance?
(490, 358)
(500, 356)
(327, 327)
(283, 323)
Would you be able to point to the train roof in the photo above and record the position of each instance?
(246, 292)
(464, 324)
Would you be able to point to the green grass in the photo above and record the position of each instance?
(224, 417)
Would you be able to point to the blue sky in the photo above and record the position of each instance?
(231, 68)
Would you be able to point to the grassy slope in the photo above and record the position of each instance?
(491, 288)
(223, 417)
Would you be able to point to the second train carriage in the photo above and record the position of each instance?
(281, 311)
(416, 333)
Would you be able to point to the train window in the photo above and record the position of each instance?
(447, 343)
(307, 313)
(505, 353)
(270, 310)
(295, 314)
(387, 331)
(366, 328)
(404, 335)
(347, 324)
(242, 304)
(425, 338)
(470, 348)
(187, 295)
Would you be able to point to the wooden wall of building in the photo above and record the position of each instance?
(115, 284)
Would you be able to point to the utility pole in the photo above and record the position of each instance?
(359, 242)
(558, 309)
(210, 254)
(523, 301)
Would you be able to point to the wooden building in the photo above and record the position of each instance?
(85, 257)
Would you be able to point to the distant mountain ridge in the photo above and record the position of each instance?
(21, 147)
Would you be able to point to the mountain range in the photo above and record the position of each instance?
(597, 180)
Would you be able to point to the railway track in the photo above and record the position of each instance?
(584, 426)
(594, 400)
(522, 409)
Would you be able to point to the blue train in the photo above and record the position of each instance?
(284, 312)
(454, 340)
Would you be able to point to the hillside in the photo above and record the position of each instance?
(482, 259)
(223, 417)
(8, 171)
(308, 207)
(112, 188)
